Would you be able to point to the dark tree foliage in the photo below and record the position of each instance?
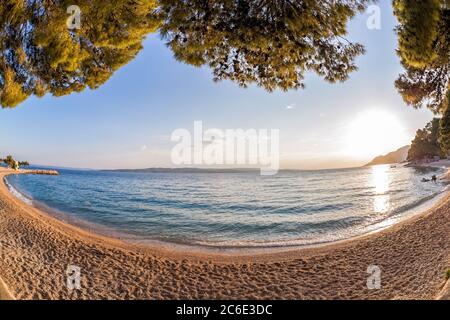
(10, 162)
(444, 131)
(39, 54)
(426, 143)
(424, 49)
(272, 43)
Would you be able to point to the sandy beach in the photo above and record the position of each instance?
(36, 249)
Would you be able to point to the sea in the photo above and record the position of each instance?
(233, 209)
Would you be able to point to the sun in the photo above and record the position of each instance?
(372, 133)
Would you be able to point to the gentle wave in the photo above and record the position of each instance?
(16, 193)
(235, 209)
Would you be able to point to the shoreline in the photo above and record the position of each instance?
(413, 255)
(225, 249)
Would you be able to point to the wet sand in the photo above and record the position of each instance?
(36, 250)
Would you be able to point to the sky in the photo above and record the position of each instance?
(128, 122)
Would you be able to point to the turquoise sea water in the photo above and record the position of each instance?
(241, 209)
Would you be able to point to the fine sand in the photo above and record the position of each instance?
(35, 251)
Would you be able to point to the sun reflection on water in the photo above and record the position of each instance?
(380, 181)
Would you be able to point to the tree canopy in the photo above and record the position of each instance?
(270, 43)
(444, 131)
(39, 54)
(424, 49)
(426, 142)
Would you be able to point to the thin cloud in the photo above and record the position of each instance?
(291, 106)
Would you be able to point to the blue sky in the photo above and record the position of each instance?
(127, 122)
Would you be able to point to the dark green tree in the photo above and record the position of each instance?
(444, 131)
(39, 54)
(24, 163)
(426, 142)
(10, 162)
(424, 49)
(270, 43)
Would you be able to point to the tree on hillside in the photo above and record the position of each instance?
(39, 54)
(426, 142)
(270, 43)
(424, 49)
(444, 130)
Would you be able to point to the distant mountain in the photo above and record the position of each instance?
(185, 170)
(397, 156)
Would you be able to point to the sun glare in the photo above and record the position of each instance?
(373, 133)
(380, 181)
